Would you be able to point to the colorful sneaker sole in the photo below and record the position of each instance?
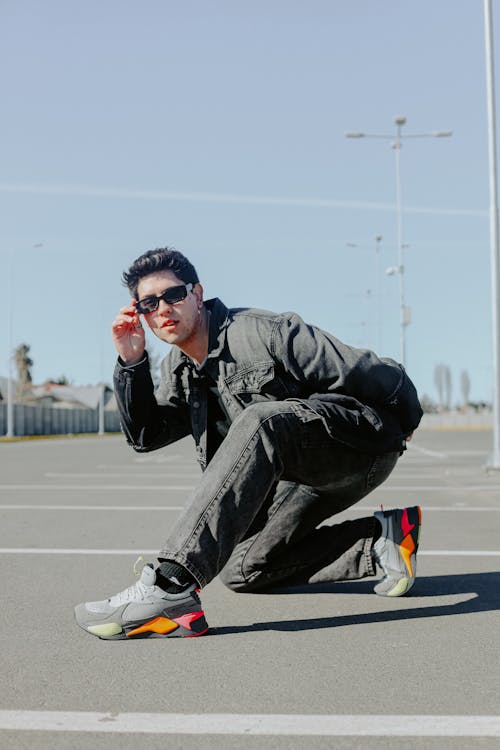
(191, 625)
(411, 520)
(406, 536)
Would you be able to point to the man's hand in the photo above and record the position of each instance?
(128, 334)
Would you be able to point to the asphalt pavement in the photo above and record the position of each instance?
(317, 667)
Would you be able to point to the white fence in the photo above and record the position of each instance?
(457, 420)
(47, 420)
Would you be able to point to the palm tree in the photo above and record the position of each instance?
(23, 365)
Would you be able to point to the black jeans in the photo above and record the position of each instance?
(256, 515)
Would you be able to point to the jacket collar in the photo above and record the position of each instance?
(219, 319)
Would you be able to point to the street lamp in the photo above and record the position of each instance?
(396, 138)
(378, 240)
(494, 460)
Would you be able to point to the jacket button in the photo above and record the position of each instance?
(196, 404)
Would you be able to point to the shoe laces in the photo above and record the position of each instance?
(137, 591)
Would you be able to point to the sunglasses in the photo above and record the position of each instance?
(171, 296)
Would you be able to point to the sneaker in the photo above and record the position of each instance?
(144, 610)
(396, 550)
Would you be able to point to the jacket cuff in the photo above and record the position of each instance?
(122, 365)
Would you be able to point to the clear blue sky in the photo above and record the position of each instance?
(218, 128)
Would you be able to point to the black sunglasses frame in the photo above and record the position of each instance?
(170, 296)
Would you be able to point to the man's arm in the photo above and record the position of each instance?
(146, 424)
(326, 365)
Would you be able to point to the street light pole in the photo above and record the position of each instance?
(494, 461)
(400, 121)
(10, 385)
(378, 321)
(378, 343)
(397, 143)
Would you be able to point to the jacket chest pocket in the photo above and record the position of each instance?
(254, 383)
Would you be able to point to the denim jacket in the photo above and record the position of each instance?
(365, 402)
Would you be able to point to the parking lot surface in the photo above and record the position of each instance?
(317, 667)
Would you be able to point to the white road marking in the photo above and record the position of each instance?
(441, 454)
(163, 487)
(133, 488)
(144, 468)
(74, 551)
(360, 725)
(460, 553)
(439, 488)
(121, 474)
(428, 508)
(424, 451)
(353, 509)
(93, 507)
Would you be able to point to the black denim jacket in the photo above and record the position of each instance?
(366, 402)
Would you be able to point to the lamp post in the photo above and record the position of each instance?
(378, 325)
(10, 388)
(397, 138)
(494, 461)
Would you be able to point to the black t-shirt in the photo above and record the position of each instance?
(218, 422)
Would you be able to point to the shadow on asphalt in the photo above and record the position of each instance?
(483, 588)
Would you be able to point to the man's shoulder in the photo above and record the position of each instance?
(224, 316)
(237, 313)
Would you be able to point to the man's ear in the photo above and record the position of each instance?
(198, 292)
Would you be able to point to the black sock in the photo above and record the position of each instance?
(377, 529)
(172, 577)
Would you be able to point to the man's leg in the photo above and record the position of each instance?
(289, 546)
(269, 442)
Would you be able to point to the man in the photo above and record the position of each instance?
(291, 426)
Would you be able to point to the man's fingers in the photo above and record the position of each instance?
(128, 310)
(123, 321)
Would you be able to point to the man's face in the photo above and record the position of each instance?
(178, 323)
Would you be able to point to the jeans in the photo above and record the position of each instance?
(255, 516)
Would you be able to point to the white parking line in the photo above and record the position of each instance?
(425, 451)
(92, 507)
(133, 488)
(440, 488)
(163, 487)
(120, 474)
(74, 551)
(360, 725)
(353, 509)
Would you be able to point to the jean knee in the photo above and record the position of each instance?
(265, 413)
(231, 579)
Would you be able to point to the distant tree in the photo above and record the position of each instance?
(442, 381)
(62, 380)
(428, 405)
(447, 387)
(23, 366)
(465, 386)
(439, 383)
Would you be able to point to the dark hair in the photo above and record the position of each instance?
(161, 259)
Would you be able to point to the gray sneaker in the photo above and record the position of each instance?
(396, 550)
(144, 610)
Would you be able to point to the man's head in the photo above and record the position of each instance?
(161, 259)
(166, 290)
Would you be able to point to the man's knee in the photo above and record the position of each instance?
(232, 580)
(271, 415)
